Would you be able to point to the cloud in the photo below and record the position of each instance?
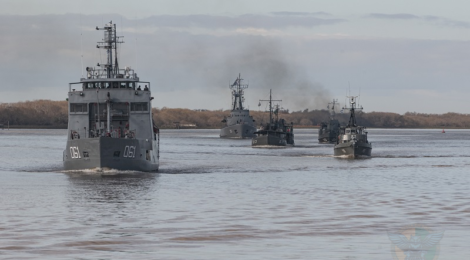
(436, 20)
(392, 16)
(42, 54)
(446, 22)
(244, 21)
(301, 13)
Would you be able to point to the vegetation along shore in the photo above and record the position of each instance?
(53, 114)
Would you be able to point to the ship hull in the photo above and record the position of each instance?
(353, 150)
(239, 131)
(328, 133)
(268, 140)
(326, 138)
(112, 153)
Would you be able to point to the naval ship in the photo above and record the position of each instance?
(110, 116)
(275, 133)
(352, 140)
(328, 132)
(239, 124)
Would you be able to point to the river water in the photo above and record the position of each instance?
(223, 199)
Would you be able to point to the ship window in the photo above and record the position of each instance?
(123, 85)
(85, 154)
(117, 153)
(131, 85)
(120, 111)
(139, 106)
(115, 84)
(78, 107)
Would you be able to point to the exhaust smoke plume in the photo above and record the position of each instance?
(266, 64)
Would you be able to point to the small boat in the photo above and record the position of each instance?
(275, 133)
(352, 140)
(239, 124)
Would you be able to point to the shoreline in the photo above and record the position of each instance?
(32, 127)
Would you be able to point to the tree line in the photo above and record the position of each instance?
(54, 114)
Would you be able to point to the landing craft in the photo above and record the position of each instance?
(352, 140)
(110, 117)
(329, 131)
(239, 124)
(275, 133)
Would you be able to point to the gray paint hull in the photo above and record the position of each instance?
(328, 132)
(106, 152)
(268, 140)
(238, 131)
(326, 138)
(353, 150)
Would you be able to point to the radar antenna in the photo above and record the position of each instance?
(109, 43)
(271, 100)
(237, 93)
(331, 108)
(352, 109)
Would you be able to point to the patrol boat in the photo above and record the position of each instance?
(110, 117)
(328, 132)
(239, 124)
(275, 133)
(352, 140)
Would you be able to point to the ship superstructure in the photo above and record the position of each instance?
(110, 116)
(239, 124)
(352, 140)
(328, 131)
(277, 132)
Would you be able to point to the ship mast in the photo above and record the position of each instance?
(237, 93)
(109, 43)
(352, 109)
(332, 108)
(270, 106)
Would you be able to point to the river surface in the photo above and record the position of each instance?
(223, 199)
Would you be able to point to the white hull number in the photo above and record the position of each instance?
(74, 152)
(129, 151)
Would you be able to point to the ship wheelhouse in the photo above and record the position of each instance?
(128, 102)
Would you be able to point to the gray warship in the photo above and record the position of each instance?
(275, 133)
(239, 124)
(329, 131)
(110, 117)
(352, 140)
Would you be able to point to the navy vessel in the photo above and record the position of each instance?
(239, 124)
(352, 140)
(329, 131)
(110, 116)
(276, 132)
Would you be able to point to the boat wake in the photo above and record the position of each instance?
(271, 146)
(352, 157)
(318, 156)
(100, 171)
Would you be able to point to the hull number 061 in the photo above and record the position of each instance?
(129, 151)
(74, 152)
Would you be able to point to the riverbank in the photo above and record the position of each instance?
(47, 114)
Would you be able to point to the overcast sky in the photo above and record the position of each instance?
(400, 55)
